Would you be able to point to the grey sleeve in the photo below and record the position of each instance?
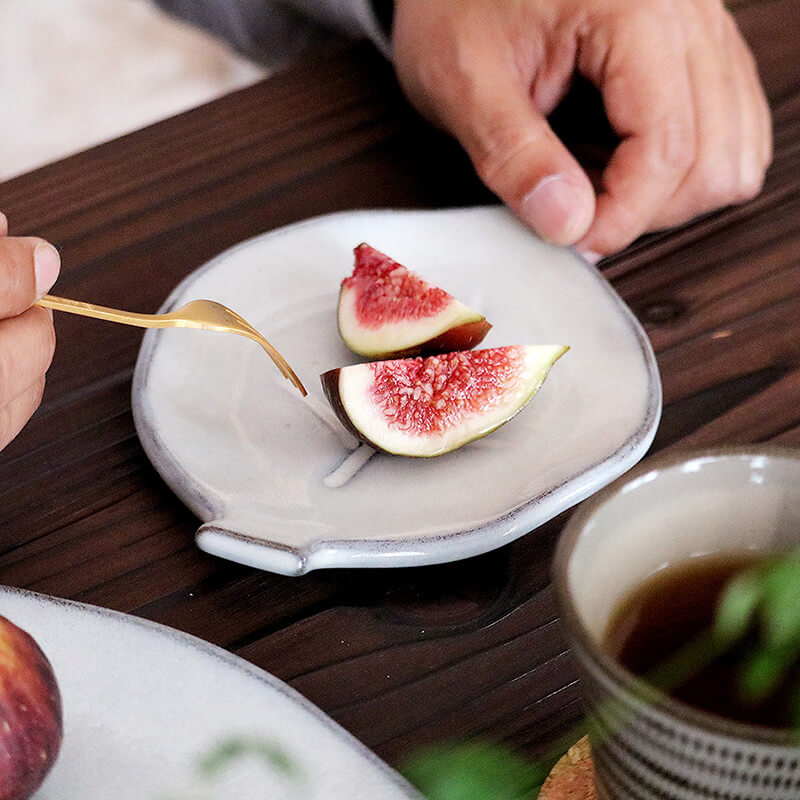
(274, 31)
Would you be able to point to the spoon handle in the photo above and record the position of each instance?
(101, 312)
(198, 314)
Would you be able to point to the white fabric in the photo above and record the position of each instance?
(74, 73)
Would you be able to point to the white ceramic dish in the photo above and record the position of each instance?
(245, 454)
(143, 704)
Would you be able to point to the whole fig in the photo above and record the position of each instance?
(30, 714)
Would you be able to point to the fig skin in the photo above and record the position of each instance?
(454, 327)
(330, 385)
(31, 726)
(462, 337)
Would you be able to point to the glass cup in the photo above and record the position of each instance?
(647, 746)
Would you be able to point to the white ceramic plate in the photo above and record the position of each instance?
(245, 454)
(143, 704)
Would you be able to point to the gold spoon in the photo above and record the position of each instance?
(204, 314)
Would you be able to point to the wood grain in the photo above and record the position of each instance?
(400, 657)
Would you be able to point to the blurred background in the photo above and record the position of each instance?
(74, 73)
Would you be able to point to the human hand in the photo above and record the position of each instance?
(679, 86)
(29, 266)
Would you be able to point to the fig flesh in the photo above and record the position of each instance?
(429, 406)
(30, 714)
(386, 311)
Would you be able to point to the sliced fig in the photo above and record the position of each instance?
(387, 311)
(430, 406)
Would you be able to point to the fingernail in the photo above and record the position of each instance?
(3, 222)
(47, 264)
(590, 256)
(553, 209)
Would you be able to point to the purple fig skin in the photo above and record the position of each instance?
(31, 726)
(462, 337)
(330, 385)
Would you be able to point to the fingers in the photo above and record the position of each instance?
(488, 72)
(27, 343)
(684, 94)
(15, 414)
(679, 86)
(648, 101)
(733, 127)
(756, 121)
(518, 157)
(29, 266)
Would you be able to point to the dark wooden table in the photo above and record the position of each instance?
(399, 657)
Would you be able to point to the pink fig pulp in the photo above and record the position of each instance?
(386, 311)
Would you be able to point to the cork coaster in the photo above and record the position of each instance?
(572, 778)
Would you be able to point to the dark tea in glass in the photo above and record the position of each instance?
(676, 606)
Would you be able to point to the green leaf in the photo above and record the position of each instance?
(229, 750)
(762, 673)
(685, 663)
(737, 607)
(780, 608)
(473, 771)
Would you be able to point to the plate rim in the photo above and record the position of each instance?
(232, 661)
(257, 551)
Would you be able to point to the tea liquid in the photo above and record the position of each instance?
(673, 607)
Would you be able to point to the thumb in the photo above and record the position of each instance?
(29, 266)
(517, 155)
